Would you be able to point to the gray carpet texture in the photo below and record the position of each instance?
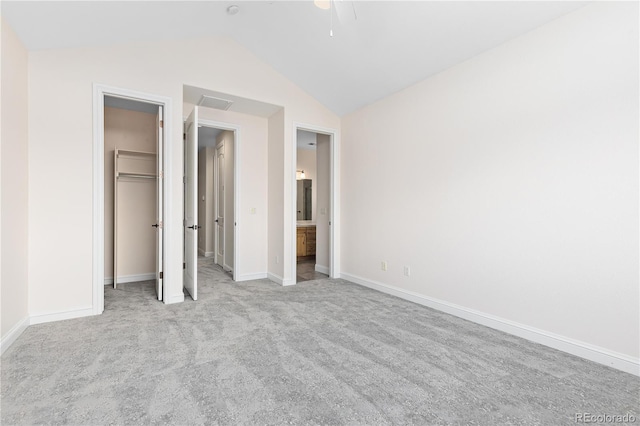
(324, 352)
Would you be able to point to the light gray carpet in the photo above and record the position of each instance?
(321, 352)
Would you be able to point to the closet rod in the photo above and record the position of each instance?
(132, 175)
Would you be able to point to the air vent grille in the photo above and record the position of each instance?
(215, 103)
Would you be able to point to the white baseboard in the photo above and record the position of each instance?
(584, 350)
(59, 316)
(322, 269)
(251, 277)
(13, 334)
(209, 253)
(131, 278)
(177, 298)
(279, 280)
(275, 278)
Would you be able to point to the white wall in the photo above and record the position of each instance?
(306, 160)
(136, 131)
(60, 278)
(203, 196)
(323, 206)
(277, 215)
(226, 138)
(509, 183)
(14, 170)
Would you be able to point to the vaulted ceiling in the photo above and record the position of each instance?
(391, 44)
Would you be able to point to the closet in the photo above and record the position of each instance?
(132, 195)
(134, 204)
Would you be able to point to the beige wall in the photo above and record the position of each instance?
(509, 183)
(323, 206)
(62, 201)
(306, 160)
(136, 131)
(14, 170)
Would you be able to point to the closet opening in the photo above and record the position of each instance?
(210, 204)
(133, 198)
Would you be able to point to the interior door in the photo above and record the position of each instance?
(159, 193)
(191, 205)
(219, 178)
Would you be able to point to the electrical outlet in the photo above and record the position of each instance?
(407, 271)
(383, 265)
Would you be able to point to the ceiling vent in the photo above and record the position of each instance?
(215, 103)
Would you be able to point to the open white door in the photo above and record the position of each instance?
(191, 205)
(159, 200)
(219, 205)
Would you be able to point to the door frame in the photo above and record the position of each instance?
(99, 92)
(236, 184)
(334, 196)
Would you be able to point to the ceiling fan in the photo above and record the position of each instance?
(345, 11)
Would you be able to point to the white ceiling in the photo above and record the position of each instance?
(207, 136)
(306, 140)
(391, 45)
(130, 104)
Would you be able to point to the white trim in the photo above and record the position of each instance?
(176, 298)
(275, 278)
(252, 277)
(122, 279)
(236, 185)
(209, 253)
(60, 316)
(13, 334)
(322, 269)
(99, 92)
(334, 196)
(279, 280)
(565, 344)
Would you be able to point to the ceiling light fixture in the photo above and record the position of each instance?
(233, 9)
(323, 4)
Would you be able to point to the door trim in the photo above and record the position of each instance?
(236, 185)
(334, 196)
(99, 92)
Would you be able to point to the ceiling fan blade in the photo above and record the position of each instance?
(345, 11)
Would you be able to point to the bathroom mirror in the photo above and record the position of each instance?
(304, 199)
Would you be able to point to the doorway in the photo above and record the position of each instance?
(210, 198)
(130, 204)
(314, 202)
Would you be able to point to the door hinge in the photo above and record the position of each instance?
(160, 275)
(161, 124)
(160, 174)
(184, 265)
(184, 136)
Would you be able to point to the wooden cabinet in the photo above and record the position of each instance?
(306, 241)
(301, 246)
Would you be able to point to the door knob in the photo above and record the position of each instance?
(155, 226)
(194, 227)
